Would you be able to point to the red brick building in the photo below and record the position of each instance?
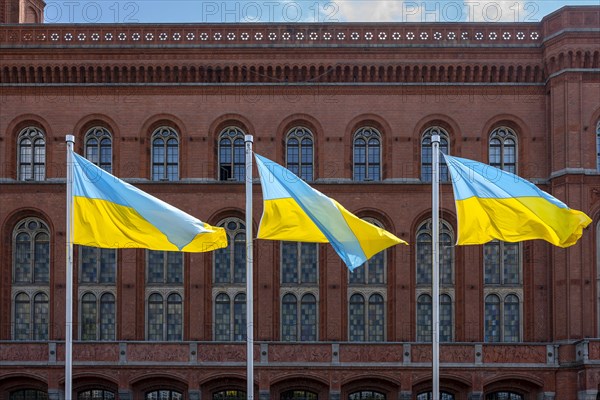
(351, 107)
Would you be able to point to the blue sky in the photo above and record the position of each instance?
(307, 11)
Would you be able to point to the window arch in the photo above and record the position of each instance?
(424, 253)
(299, 323)
(165, 308)
(165, 154)
(503, 149)
(232, 155)
(367, 154)
(98, 147)
(98, 316)
(502, 318)
(31, 315)
(230, 262)
(96, 394)
(31, 154)
(426, 153)
(300, 152)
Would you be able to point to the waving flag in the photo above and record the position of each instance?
(495, 204)
(296, 212)
(111, 213)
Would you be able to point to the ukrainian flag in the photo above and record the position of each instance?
(296, 212)
(495, 204)
(110, 213)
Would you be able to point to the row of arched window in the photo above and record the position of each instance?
(299, 152)
(299, 288)
(234, 394)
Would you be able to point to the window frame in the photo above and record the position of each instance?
(300, 134)
(502, 295)
(427, 177)
(35, 135)
(367, 134)
(233, 134)
(502, 134)
(166, 134)
(100, 134)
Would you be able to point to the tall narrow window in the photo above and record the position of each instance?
(31, 155)
(164, 291)
(299, 285)
(367, 291)
(299, 152)
(426, 153)
(97, 289)
(98, 147)
(424, 278)
(503, 149)
(229, 278)
(367, 154)
(232, 155)
(31, 277)
(165, 154)
(502, 274)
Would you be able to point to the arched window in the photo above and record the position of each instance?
(96, 394)
(426, 153)
(97, 275)
(504, 396)
(367, 154)
(424, 253)
(503, 149)
(164, 288)
(229, 395)
(299, 153)
(367, 395)
(230, 262)
(232, 155)
(165, 154)
(299, 323)
(424, 315)
(502, 318)
(31, 277)
(31, 154)
(98, 147)
(230, 318)
(164, 395)
(299, 395)
(28, 394)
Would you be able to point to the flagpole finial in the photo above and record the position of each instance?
(435, 138)
(248, 138)
(70, 138)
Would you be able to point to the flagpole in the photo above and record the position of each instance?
(249, 139)
(435, 222)
(70, 139)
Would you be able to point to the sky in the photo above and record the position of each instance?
(301, 11)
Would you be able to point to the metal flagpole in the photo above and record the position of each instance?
(70, 139)
(249, 139)
(435, 279)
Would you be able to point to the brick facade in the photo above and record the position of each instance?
(540, 79)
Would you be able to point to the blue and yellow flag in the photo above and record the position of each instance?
(495, 204)
(296, 212)
(110, 213)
